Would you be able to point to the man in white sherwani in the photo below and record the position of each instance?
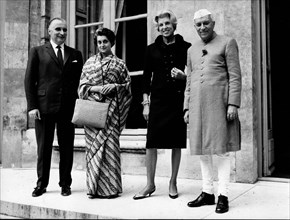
(212, 99)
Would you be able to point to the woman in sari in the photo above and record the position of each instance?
(105, 77)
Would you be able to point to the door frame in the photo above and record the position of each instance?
(265, 142)
(268, 149)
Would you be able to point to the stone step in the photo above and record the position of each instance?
(133, 160)
(132, 154)
(26, 211)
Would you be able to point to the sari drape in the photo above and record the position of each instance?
(103, 170)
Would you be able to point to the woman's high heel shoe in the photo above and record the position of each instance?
(138, 196)
(173, 196)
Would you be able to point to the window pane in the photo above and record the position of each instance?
(96, 10)
(132, 34)
(87, 11)
(135, 117)
(136, 41)
(81, 6)
(131, 42)
(134, 7)
(81, 37)
(127, 48)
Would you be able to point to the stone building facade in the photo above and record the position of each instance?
(24, 25)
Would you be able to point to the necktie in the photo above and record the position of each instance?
(59, 55)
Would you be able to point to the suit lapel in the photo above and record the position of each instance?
(67, 53)
(51, 52)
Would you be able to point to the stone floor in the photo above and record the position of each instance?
(262, 200)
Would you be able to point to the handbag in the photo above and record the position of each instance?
(91, 113)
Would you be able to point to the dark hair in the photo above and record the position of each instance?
(53, 19)
(105, 32)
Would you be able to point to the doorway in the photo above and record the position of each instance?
(279, 58)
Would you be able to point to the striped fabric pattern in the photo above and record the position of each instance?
(103, 146)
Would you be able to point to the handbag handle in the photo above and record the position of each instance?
(116, 94)
(103, 70)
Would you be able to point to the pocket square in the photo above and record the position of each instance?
(74, 61)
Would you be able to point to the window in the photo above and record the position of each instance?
(129, 21)
(86, 12)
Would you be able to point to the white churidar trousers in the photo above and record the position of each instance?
(223, 167)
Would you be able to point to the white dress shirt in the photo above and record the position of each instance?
(54, 45)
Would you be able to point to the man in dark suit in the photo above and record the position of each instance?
(51, 82)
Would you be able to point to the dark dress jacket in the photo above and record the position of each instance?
(166, 127)
(50, 87)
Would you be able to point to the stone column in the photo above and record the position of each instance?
(16, 24)
(45, 17)
(2, 25)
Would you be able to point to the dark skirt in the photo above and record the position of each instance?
(166, 126)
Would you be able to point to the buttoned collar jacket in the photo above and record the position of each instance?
(213, 83)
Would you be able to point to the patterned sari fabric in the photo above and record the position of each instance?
(103, 147)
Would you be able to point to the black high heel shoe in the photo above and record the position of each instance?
(173, 196)
(138, 196)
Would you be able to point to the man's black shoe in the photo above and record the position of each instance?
(203, 199)
(38, 191)
(65, 190)
(222, 205)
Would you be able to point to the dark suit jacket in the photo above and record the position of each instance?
(49, 87)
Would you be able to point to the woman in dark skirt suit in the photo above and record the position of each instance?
(163, 95)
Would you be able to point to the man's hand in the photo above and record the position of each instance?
(232, 112)
(34, 113)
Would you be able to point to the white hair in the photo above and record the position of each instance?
(166, 13)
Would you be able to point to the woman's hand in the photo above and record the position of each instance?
(107, 89)
(177, 74)
(96, 89)
(146, 112)
(186, 117)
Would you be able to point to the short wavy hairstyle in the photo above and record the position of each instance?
(102, 31)
(166, 13)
